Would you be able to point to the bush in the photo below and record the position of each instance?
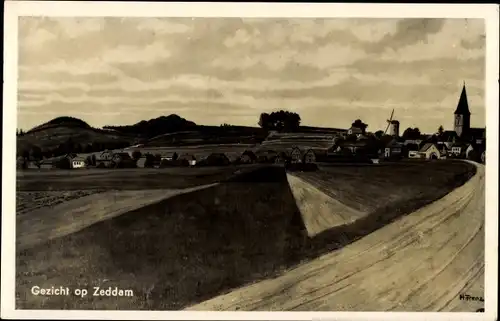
(150, 161)
(136, 155)
(217, 160)
(63, 163)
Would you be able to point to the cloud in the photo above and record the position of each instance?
(162, 26)
(324, 68)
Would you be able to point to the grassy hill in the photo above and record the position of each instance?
(202, 135)
(50, 135)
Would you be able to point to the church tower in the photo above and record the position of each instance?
(462, 115)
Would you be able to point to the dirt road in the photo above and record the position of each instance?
(421, 262)
(62, 219)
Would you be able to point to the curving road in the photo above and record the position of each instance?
(422, 262)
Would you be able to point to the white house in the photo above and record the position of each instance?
(430, 151)
(414, 154)
(78, 162)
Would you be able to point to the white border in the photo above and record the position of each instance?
(14, 9)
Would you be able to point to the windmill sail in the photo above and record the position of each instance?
(389, 122)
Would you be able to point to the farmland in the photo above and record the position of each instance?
(122, 179)
(192, 247)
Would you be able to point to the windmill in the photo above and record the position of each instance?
(394, 124)
(389, 122)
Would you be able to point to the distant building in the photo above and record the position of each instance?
(310, 157)
(394, 149)
(458, 149)
(189, 158)
(430, 151)
(394, 128)
(248, 157)
(462, 121)
(78, 162)
(356, 147)
(356, 131)
(296, 155)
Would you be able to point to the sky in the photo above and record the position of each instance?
(119, 71)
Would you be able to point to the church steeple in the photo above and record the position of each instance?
(462, 115)
(463, 105)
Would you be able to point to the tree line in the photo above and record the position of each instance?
(69, 146)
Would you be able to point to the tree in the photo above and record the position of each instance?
(25, 153)
(63, 163)
(440, 130)
(35, 153)
(280, 120)
(136, 155)
(351, 138)
(358, 123)
(150, 160)
(379, 134)
(88, 148)
(411, 133)
(264, 121)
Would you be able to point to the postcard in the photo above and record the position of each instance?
(250, 161)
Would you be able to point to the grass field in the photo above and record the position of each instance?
(194, 246)
(123, 179)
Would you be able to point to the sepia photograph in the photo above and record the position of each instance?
(239, 163)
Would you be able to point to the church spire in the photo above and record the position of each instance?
(463, 105)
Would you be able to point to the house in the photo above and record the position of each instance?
(475, 152)
(357, 147)
(281, 158)
(216, 159)
(443, 150)
(355, 130)
(248, 157)
(414, 154)
(447, 138)
(189, 158)
(394, 149)
(61, 162)
(309, 157)
(296, 155)
(268, 156)
(429, 151)
(412, 142)
(458, 150)
(47, 164)
(334, 150)
(78, 162)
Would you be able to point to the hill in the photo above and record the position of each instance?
(154, 127)
(64, 121)
(52, 135)
(203, 135)
(50, 138)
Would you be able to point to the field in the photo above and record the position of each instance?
(123, 179)
(191, 247)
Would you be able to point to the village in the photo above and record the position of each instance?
(353, 145)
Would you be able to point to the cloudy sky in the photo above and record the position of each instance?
(114, 71)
